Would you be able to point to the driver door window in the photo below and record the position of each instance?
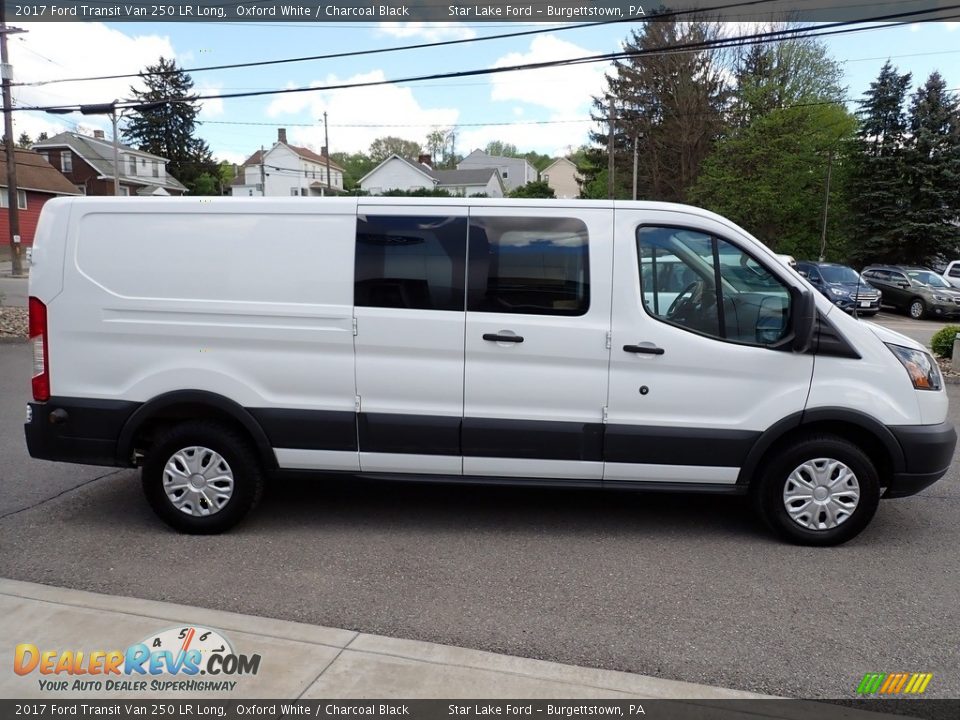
(706, 285)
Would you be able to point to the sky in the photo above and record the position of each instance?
(546, 111)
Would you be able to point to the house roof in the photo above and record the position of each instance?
(422, 169)
(99, 155)
(36, 174)
(302, 152)
(478, 176)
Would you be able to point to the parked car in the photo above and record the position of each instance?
(842, 286)
(642, 346)
(918, 291)
(952, 273)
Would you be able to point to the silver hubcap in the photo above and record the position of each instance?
(821, 494)
(916, 310)
(198, 481)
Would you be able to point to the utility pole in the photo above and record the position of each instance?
(263, 174)
(326, 148)
(826, 207)
(635, 157)
(611, 119)
(13, 207)
(116, 150)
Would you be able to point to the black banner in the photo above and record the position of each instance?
(442, 709)
(559, 11)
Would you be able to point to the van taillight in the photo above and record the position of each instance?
(41, 363)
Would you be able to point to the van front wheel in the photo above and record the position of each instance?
(201, 477)
(822, 490)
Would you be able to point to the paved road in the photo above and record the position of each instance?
(685, 588)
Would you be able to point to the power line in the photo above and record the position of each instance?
(376, 51)
(824, 30)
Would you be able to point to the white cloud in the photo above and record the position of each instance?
(357, 107)
(229, 156)
(561, 89)
(212, 108)
(431, 32)
(49, 51)
(951, 26)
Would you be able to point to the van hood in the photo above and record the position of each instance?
(889, 336)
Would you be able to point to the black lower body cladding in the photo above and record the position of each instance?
(927, 452)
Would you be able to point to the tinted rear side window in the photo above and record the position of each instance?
(528, 265)
(414, 262)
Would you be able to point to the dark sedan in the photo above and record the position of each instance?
(843, 286)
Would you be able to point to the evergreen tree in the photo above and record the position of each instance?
(536, 189)
(931, 233)
(878, 188)
(166, 123)
(669, 105)
(24, 141)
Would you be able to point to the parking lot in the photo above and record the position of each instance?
(682, 587)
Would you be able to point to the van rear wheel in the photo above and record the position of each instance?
(201, 477)
(822, 490)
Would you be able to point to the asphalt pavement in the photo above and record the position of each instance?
(686, 588)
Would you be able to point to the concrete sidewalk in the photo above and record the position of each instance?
(301, 661)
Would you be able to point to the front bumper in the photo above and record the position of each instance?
(949, 310)
(927, 453)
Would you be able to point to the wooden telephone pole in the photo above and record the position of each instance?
(13, 207)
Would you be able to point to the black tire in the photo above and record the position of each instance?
(232, 447)
(917, 309)
(773, 478)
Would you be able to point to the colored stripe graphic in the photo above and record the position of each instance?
(894, 683)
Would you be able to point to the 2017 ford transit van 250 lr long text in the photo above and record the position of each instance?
(601, 344)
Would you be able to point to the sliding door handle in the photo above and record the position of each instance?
(497, 337)
(645, 348)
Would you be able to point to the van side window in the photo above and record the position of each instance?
(706, 285)
(528, 265)
(412, 262)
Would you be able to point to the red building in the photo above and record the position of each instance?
(38, 181)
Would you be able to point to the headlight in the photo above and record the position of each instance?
(920, 366)
(943, 298)
(838, 292)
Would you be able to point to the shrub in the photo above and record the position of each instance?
(942, 341)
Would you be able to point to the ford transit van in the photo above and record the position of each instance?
(218, 343)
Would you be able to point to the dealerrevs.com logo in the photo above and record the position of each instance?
(169, 661)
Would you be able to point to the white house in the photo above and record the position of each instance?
(397, 173)
(286, 170)
(513, 171)
(562, 176)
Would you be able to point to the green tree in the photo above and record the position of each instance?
(24, 141)
(878, 197)
(781, 74)
(770, 177)
(670, 106)
(536, 189)
(166, 123)
(932, 161)
(355, 166)
(384, 147)
(499, 148)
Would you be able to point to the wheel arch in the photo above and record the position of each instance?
(166, 409)
(871, 436)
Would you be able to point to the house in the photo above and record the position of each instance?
(397, 173)
(513, 171)
(87, 162)
(285, 170)
(37, 182)
(563, 177)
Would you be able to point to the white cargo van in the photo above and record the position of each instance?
(217, 343)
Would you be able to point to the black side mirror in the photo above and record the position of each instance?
(804, 317)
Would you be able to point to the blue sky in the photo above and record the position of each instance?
(559, 97)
